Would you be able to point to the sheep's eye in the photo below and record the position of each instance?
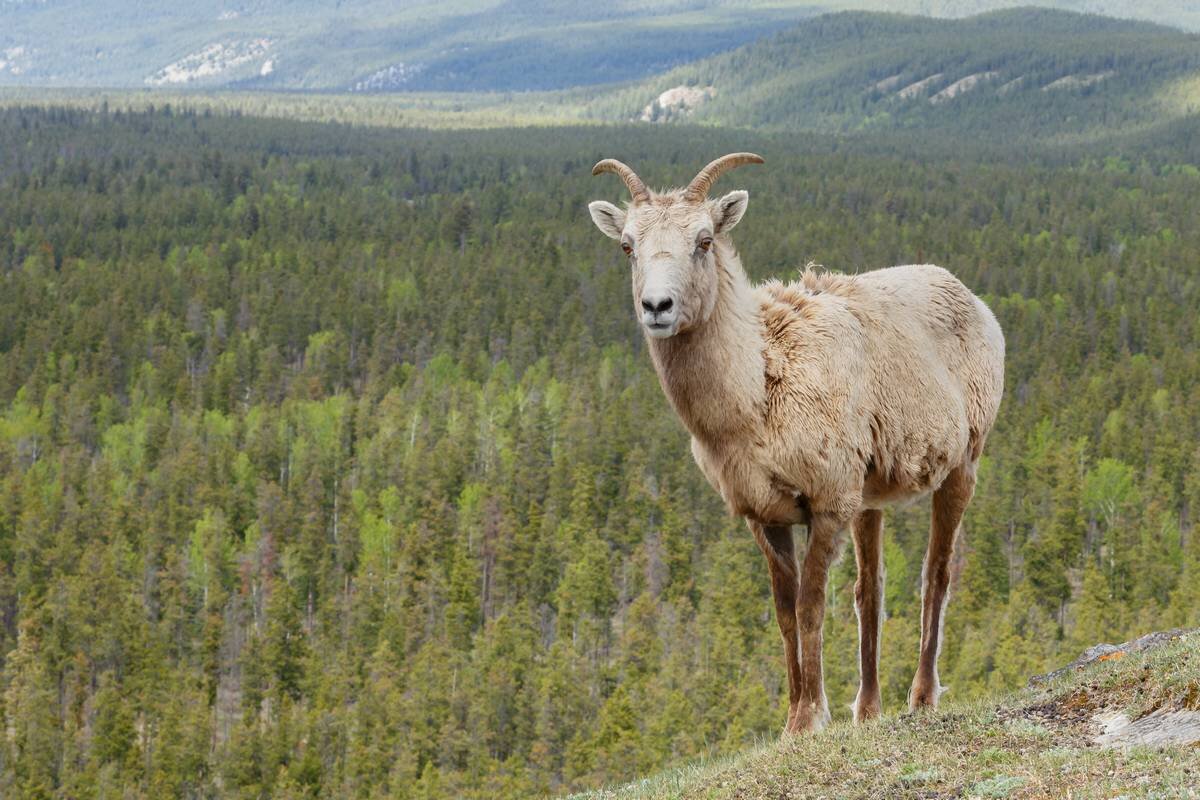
(706, 244)
(627, 247)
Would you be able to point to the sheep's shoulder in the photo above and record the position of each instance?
(816, 281)
(801, 321)
(787, 313)
(808, 340)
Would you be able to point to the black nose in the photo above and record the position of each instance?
(660, 307)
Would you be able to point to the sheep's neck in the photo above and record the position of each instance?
(713, 374)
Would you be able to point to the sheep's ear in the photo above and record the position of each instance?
(729, 210)
(608, 218)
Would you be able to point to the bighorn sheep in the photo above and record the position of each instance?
(818, 403)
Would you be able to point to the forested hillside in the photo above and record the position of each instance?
(331, 462)
(1001, 75)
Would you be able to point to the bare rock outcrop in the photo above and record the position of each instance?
(1167, 725)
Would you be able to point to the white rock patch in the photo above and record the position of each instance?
(388, 78)
(914, 89)
(211, 61)
(15, 60)
(887, 84)
(1078, 81)
(1012, 85)
(962, 85)
(1159, 729)
(675, 101)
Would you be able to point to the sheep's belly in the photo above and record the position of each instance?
(880, 492)
(893, 495)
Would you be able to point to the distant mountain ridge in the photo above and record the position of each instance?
(368, 45)
(374, 45)
(1009, 77)
(1021, 71)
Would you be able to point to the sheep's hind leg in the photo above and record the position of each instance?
(868, 599)
(949, 502)
(824, 544)
(777, 545)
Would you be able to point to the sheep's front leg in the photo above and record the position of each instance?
(777, 545)
(949, 502)
(824, 543)
(868, 599)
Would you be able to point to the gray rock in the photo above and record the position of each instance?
(1159, 729)
(1098, 652)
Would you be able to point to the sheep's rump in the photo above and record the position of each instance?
(922, 316)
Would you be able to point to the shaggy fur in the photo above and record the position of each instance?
(847, 391)
(821, 402)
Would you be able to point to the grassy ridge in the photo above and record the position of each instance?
(1033, 743)
(441, 111)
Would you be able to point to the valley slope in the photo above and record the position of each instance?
(372, 45)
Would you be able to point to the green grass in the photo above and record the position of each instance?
(1034, 743)
(1181, 96)
(435, 111)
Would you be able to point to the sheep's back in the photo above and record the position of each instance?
(927, 328)
(913, 359)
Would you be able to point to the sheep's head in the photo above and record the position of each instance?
(669, 239)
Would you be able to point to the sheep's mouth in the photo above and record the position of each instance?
(660, 330)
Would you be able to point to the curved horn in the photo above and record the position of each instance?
(636, 188)
(697, 190)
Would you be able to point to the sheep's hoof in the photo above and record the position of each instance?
(924, 697)
(805, 718)
(867, 708)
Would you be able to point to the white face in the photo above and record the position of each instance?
(671, 248)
